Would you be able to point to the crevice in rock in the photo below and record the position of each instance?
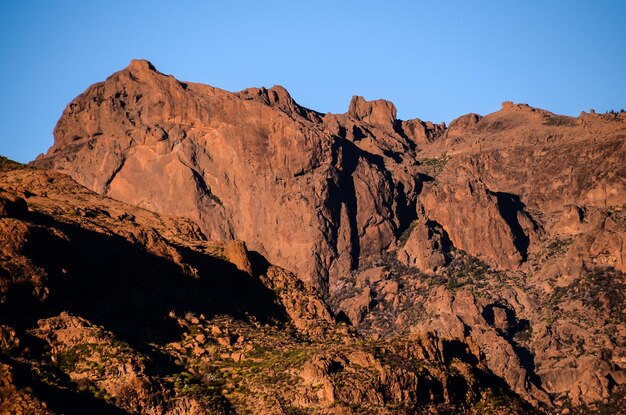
(393, 155)
(406, 207)
(509, 205)
(346, 186)
(406, 211)
(456, 349)
(397, 128)
(343, 192)
(357, 133)
(114, 173)
(514, 326)
(435, 227)
(201, 184)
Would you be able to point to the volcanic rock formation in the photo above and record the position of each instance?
(503, 234)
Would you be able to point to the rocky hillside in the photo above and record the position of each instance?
(108, 308)
(499, 240)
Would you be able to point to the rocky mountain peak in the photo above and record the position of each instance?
(377, 112)
(141, 65)
(278, 97)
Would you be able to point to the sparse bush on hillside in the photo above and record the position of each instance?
(406, 233)
(617, 212)
(600, 288)
(558, 247)
(7, 164)
(559, 121)
(437, 163)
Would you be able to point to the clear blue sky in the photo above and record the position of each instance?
(435, 60)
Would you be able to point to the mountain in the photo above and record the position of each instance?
(497, 242)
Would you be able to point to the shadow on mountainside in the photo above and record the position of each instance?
(129, 291)
(61, 400)
(510, 207)
(525, 355)
(120, 285)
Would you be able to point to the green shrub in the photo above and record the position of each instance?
(438, 163)
(406, 233)
(558, 121)
(7, 164)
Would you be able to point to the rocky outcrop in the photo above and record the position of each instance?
(426, 247)
(237, 253)
(308, 313)
(460, 316)
(378, 113)
(14, 401)
(255, 165)
(465, 208)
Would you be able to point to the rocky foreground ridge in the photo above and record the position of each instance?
(478, 266)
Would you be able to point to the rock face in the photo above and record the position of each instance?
(510, 227)
(467, 208)
(426, 247)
